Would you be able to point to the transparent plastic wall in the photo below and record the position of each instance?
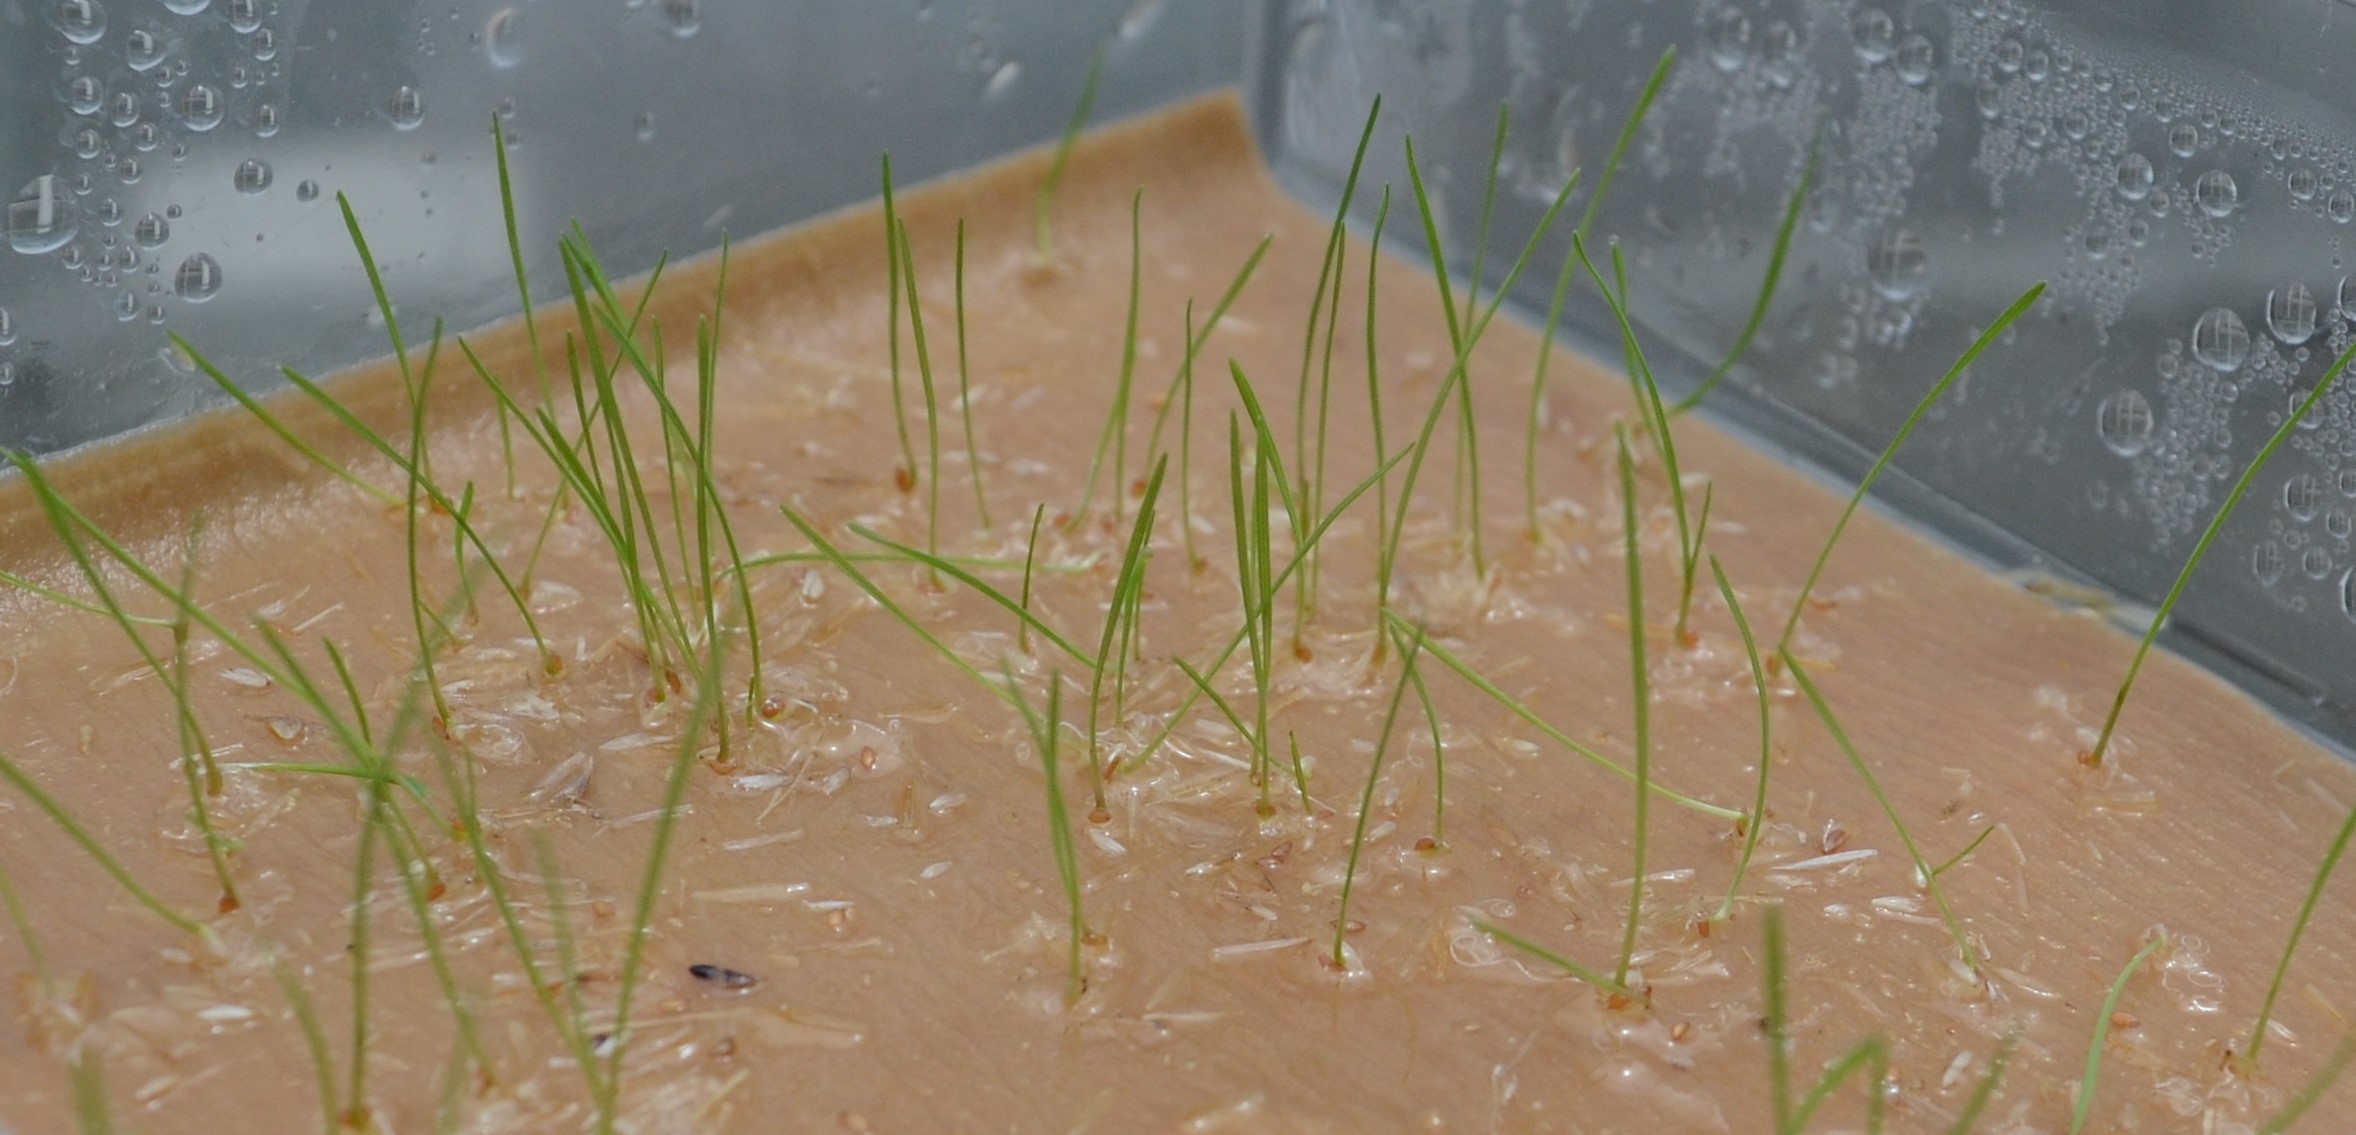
(2182, 174)
(173, 165)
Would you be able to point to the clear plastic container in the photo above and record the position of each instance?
(2180, 175)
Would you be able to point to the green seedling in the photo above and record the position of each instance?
(1324, 301)
(2102, 1032)
(860, 579)
(1374, 771)
(1468, 458)
(1043, 206)
(973, 453)
(1599, 980)
(1115, 435)
(2200, 548)
(1757, 820)
(1120, 620)
(1923, 871)
(1046, 737)
(2290, 948)
(1641, 676)
(1202, 335)
(2019, 308)
(1030, 560)
(1374, 414)
(1966, 853)
(1767, 286)
(2313, 1091)
(906, 476)
(932, 406)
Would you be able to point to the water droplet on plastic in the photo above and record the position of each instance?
(2340, 207)
(87, 142)
(2220, 340)
(1915, 59)
(266, 120)
(198, 279)
(2008, 54)
(2337, 522)
(7, 374)
(122, 108)
(79, 21)
(252, 176)
(1988, 96)
(146, 136)
(84, 94)
(306, 190)
(7, 327)
(2302, 182)
(245, 16)
(2215, 192)
(2183, 139)
(2291, 313)
(686, 17)
(2134, 178)
(2124, 422)
(187, 7)
(2315, 562)
(42, 216)
(1002, 80)
(1896, 261)
(151, 230)
(1875, 32)
(200, 107)
(503, 38)
(643, 127)
(1779, 55)
(406, 107)
(2302, 497)
(143, 49)
(1730, 39)
(2266, 562)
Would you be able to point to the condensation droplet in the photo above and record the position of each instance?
(503, 38)
(2340, 207)
(2135, 176)
(643, 128)
(1875, 32)
(7, 327)
(201, 107)
(42, 216)
(2124, 422)
(2302, 183)
(2266, 562)
(2302, 497)
(306, 190)
(143, 49)
(406, 107)
(79, 21)
(1915, 59)
(245, 16)
(686, 17)
(1002, 80)
(1730, 39)
(252, 176)
(2291, 313)
(198, 278)
(2184, 139)
(151, 231)
(2215, 192)
(2220, 340)
(1896, 261)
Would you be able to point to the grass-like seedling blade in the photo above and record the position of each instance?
(1598, 980)
(2200, 548)
(906, 475)
(306, 1016)
(1938, 389)
(1374, 772)
(1767, 286)
(1047, 738)
(932, 405)
(15, 775)
(1043, 206)
(1119, 618)
(1195, 340)
(1468, 433)
(1374, 414)
(1869, 1057)
(1758, 817)
(1641, 677)
(1985, 1093)
(973, 454)
(1115, 436)
(860, 579)
(2102, 1032)
(1923, 870)
(2313, 1091)
(1775, 1021)
(950, 568)
(1966, 853)
(1328, 278)
(2282, 968)
(1611, 165)
(1530, 717)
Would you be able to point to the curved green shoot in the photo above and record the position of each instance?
(15, 775)
(1047, 738)
(2313, 1091)
(1928, 876)
(1611, 165)
(2282, 968)
(1382, 742)
(1870, 1057)
(973, 454)
(1115, 435)
(1584, 751)
(860, 580)
(1329, 268)
(1468, 433)
(1641, 676)
(1043, 206)
(932, 405)
(2019, 308)
(1758, 817)
(2200, 549)
(1985, 1093)
(950, 568)
(2102, 1032)
(907, 472)
(1591, 977)
(1119, 617)
(1767, 286)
